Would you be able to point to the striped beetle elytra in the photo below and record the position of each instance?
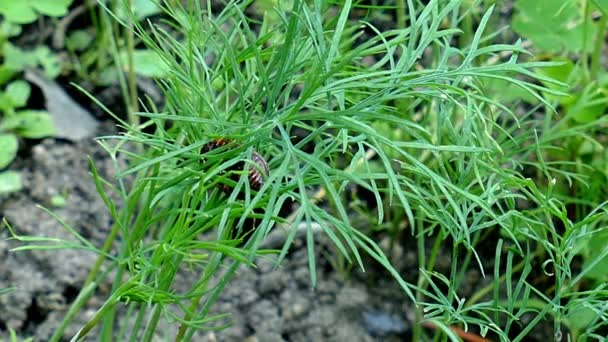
(256, 173)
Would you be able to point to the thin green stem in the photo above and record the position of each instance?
(596, 56)
(88, 288)
(478, 295)
(85, 293)
(152, 323)
(102, 312)
(138, 322)
(131, 77)
(401, 6)
(420, 241)
(585, 34)
(422, 283)
(214, 295)
(453, 273)
(107, 330)
(199, 288)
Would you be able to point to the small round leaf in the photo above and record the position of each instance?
(8, 149)
(10, 181)
(31, 124)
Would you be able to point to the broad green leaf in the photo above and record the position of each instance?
(506, 92)
(5, 74)
(18, 92)
(52, 8)
(589, 105)
(564, 73)
(145, 8)
(602, 5)
(8, 29)
(27, 11)
(17, 59)
(8, 149)
(14, 96)
(10, 181)
(79, 40)
(141, 9)
(579, 316)
(602, 80)
(553, 25)
(30, 124)
(595, 248)
(48, 60)
(599, 271)
(147, 63)
(19, 12)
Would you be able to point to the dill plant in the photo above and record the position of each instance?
(400, 113)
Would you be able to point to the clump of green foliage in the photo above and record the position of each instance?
(400, 113)
(16, 122)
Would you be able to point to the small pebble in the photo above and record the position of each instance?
(378, 323)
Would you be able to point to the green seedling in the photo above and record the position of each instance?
(106, 54)
(15, 123)
(17, 60)
(15, 338)
(58, 201)
(575, 137)
(92, 59)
